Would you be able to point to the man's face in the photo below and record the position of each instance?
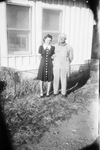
(62, 39)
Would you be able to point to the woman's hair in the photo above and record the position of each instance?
(47, 36)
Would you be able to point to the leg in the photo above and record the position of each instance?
(56, 80)
(48, 88)
(63, 81)
(41, 88)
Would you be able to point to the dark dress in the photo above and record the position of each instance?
(45, 72)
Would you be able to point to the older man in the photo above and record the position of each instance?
(62, 59)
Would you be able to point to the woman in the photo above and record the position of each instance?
(45, 72)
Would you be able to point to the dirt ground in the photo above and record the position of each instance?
(80, 129)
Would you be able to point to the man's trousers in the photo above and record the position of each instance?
(60, 74)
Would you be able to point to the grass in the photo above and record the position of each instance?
(28, 116)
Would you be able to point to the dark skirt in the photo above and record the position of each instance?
(45, 72)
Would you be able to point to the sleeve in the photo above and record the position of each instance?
(40, 50)
(53, 52)
(70, 54)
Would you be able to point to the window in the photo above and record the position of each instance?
(18, 29)
(51, 23)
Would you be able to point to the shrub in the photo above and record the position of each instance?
(16, 85)
(7, 75)
(26, 87)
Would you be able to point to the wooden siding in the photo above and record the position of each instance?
(77, 23)
(28, 62)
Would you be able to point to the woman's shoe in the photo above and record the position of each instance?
(41, 95)
(47, 95)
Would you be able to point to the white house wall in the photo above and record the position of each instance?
(3, 33)
(20, 62)
(77, 23)
(79, 32)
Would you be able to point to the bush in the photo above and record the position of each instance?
(7, 75)
(26, 87)
(16, 85)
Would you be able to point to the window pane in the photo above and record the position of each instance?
(51, 19)
(54, 36)
(18, 41)
(17, 17)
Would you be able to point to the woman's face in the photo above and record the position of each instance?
(48, 40)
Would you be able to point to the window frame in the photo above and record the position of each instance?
(15, 29)
(60, 19)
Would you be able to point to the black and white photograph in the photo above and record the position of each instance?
(49, 74)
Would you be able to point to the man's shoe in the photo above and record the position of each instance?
(55, 95)
(47, 95)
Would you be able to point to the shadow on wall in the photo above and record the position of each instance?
(95, 44)
(94, 146)
(80, 78)
(82, 75)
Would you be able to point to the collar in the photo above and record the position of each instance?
(62, 44)
(46, 47)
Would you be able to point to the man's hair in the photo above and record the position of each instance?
(62, 35)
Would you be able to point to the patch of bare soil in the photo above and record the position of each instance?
(77, 126)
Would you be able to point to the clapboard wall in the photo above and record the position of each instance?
(77, 22)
